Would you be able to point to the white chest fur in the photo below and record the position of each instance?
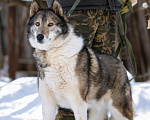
(60, 75)
(61, 79)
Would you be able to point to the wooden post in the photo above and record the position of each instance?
(1, 53)
(12, 46)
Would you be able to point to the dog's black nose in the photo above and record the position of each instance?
(40, 37)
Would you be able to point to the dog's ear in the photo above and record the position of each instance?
(34, 8)
(57, 7)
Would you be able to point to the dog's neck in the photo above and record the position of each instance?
(71, 47)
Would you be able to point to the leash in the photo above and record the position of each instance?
(73, 7)
(49, 3)
(126, 6)
(124, 41)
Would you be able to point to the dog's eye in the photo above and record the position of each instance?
(37, 24)
(50, 24)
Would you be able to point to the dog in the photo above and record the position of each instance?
(72, 75)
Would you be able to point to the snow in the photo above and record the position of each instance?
(141, 98)
(19, 100)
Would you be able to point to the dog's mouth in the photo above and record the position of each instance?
(43, 41)
(40, 41)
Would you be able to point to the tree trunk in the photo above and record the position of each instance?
(139, 37)
(12, 45)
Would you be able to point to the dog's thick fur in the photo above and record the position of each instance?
(72, 75)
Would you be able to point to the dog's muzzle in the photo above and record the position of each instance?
(40, 38)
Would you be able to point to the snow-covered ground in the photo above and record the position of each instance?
(19, 100)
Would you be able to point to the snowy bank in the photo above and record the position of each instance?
(19, 100)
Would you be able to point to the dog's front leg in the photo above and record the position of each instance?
(80, 109)
(49, 107)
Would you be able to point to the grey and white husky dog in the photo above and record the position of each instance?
(72, 75)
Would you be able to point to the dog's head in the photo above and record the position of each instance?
(46, 28)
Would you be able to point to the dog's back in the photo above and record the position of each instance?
(105, 79)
